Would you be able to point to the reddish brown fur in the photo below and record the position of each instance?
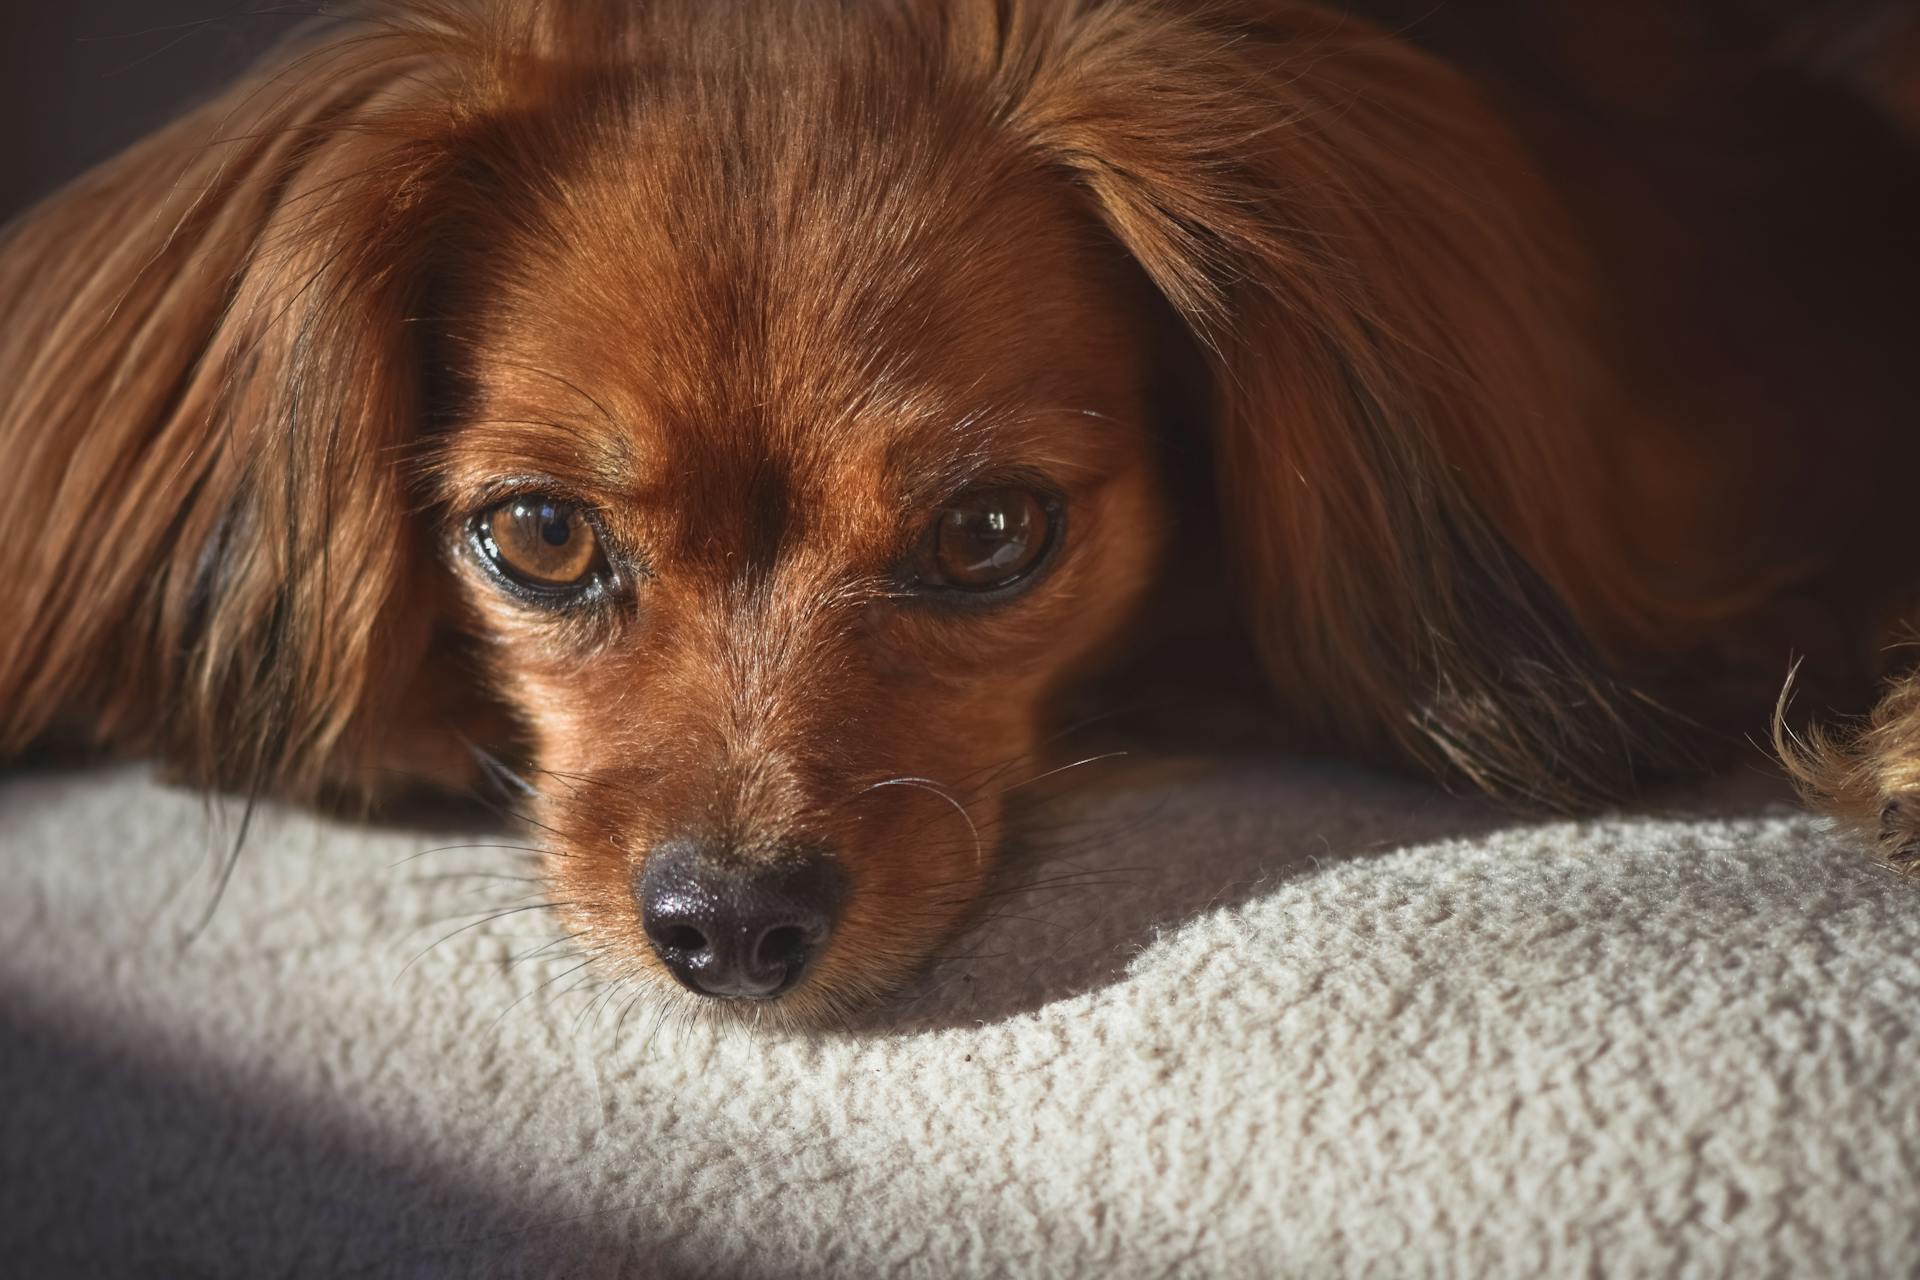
(761, 284)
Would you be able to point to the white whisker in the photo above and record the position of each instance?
(1041, 777)
(928, 784)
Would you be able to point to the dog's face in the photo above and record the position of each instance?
(783, 523)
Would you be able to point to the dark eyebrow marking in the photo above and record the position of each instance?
(769, 511)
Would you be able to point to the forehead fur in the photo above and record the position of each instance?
(675, 253)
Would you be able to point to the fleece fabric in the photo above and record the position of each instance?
(1253, 1016)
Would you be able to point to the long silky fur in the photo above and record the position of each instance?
(215, 379)
(1409, 399)
(205, 348)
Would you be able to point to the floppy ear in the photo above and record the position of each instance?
(209, 378)
(1405, 396)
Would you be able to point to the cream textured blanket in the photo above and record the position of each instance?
(1263, 1017)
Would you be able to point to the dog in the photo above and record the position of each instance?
(753, 421)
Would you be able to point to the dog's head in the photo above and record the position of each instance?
(790, 471)
(749, 417)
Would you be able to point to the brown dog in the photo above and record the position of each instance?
(753, 416)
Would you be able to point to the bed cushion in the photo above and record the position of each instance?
(1256, 1016)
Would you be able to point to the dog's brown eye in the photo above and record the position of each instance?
(985, 539)
(542, 543)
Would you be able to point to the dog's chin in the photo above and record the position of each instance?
(640, 996)
(658, 1000)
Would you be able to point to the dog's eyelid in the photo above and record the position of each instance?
(499, 489)
(928, 499)
(497, 494)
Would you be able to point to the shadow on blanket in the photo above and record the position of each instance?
(110, 1165)
(1100, 870)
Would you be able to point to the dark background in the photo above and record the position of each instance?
(80, 79)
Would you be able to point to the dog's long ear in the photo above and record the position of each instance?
(1405, 400)
(209, 376)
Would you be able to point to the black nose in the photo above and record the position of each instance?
(732, 930)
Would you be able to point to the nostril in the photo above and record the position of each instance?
(782, 948)
(680, 937)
